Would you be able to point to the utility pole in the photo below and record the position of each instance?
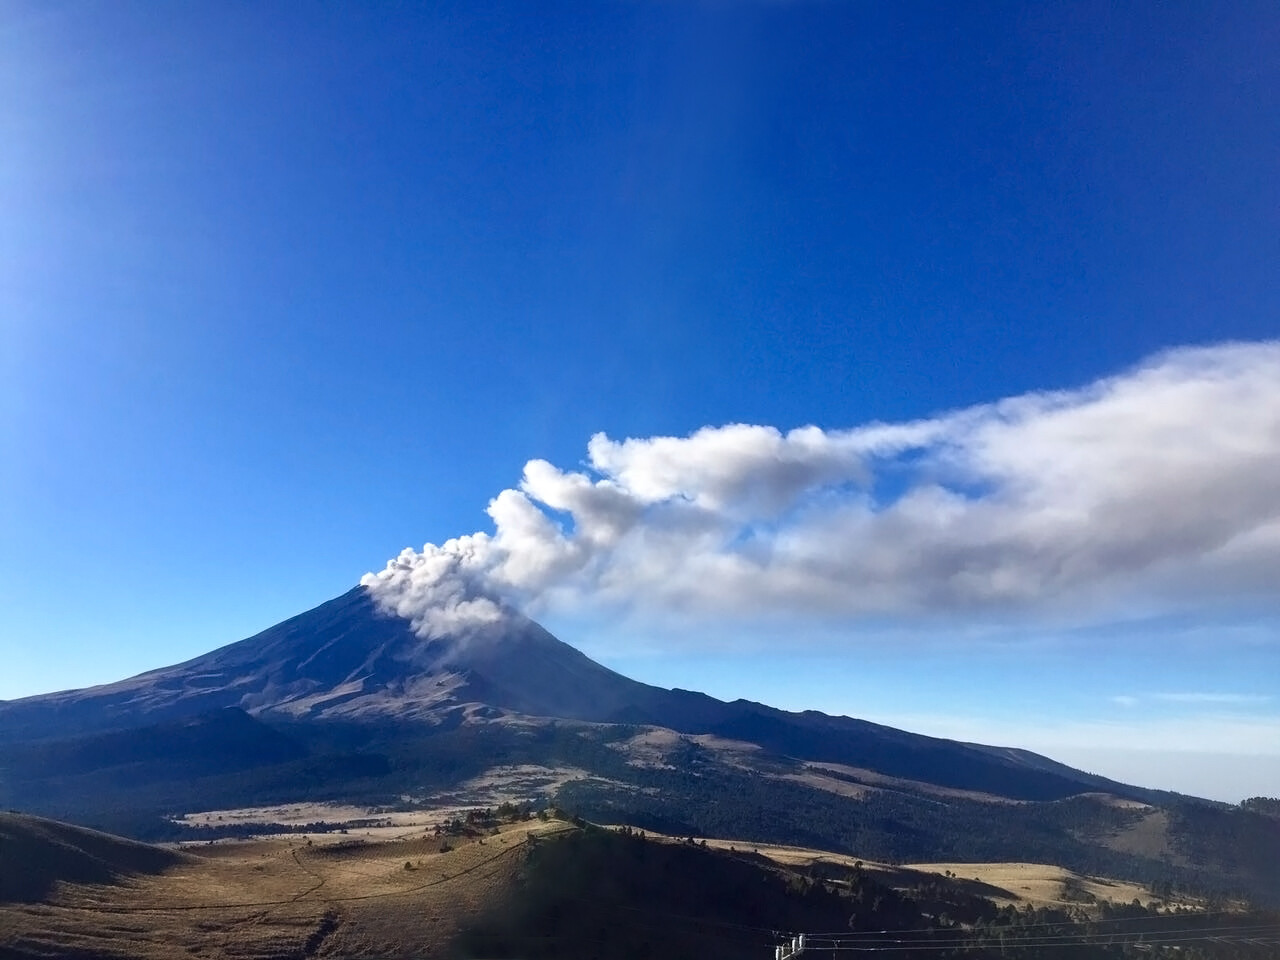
(792, 948)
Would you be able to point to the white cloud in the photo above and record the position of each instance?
(1237, 699)
(1153, 491)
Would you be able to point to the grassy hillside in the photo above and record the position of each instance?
(35, 854)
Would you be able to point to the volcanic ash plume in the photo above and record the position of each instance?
(1154, 489)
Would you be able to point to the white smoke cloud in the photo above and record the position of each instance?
(1151, 491)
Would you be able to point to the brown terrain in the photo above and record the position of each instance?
(278, 897)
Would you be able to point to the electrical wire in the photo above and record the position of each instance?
(1061, 923)
(1048, 938)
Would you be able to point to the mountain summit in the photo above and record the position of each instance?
(347, 659)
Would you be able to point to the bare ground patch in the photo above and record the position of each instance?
(334, 822)
(871, 778)
(516, 784)
(815, 779)
(1148, 837)
(1046, 885)
(1119, 803)
(297, 815)
(657, 748)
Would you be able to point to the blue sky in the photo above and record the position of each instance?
(285, 289)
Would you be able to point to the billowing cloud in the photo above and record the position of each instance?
(1152, 491)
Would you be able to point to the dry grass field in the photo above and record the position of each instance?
(1037, 884)
(277, 898)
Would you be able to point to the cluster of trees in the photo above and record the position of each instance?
(479, 822)
(1232, 852)
(1268, 806)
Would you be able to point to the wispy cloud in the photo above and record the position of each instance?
(1236, 699)
(1148, 492)
(1195, 699)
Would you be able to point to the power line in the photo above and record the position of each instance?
(1064, 944)
(1054, 936)
(1059, 923)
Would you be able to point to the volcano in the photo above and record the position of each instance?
(349, 661)
(346, 659)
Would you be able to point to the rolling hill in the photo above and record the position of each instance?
(36, 854)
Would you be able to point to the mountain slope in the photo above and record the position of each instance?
(345, 659)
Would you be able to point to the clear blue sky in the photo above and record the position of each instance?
(285, 288)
